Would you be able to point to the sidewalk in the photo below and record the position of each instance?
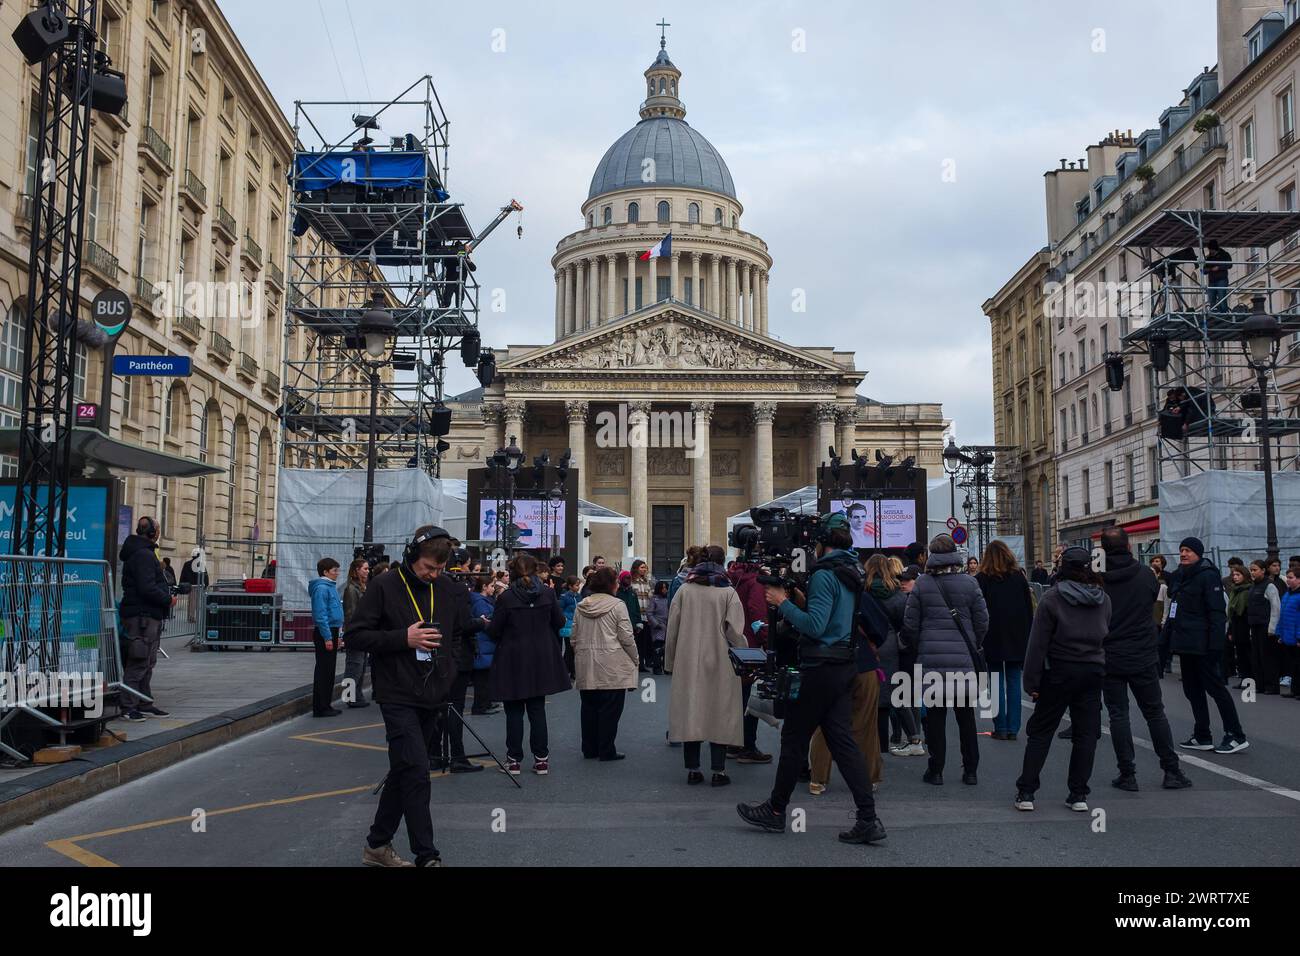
(212, 697)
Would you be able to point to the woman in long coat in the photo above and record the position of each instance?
(705, 621)
(605, 660)
(527, 665)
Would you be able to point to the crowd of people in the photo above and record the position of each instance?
(868, 634)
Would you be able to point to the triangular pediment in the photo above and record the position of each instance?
(669, 337)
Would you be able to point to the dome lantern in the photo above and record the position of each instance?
(662, 79)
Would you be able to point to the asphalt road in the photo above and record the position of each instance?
(300, 794)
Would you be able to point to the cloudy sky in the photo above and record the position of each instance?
(838, 150)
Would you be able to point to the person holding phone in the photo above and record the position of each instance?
(409, 620)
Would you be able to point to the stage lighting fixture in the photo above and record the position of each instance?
(441, 447)
(1114, 371)
(860, 466)
(40, 33)
(562, 468)
(908, 466)
(107, 86)
(439, 419)
(1158, 349)
(469, 348)
(487, 368)
(539, 467)
(362, 121)
(883, 462)
(834, 462)
(404, 361)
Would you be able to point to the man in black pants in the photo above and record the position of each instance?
(1132, 662)
(412, 672)
(827, 675)
(451, 729)
(1197, 630)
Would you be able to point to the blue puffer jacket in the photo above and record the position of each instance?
(326, 606)
(480, 605)
(1288, 622)
(568, 606)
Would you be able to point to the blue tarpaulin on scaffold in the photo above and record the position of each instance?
(393, 170)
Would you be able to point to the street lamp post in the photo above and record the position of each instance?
(377, 330)
(952, 459)
(1259, 341)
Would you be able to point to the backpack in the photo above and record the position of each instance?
(871, 627)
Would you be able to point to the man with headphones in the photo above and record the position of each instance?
(828, 672)
(410, 620)
(146, 602)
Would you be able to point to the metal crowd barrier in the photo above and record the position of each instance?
(187, 616)
(59, 645)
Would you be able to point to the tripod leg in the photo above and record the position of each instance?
(486, 748)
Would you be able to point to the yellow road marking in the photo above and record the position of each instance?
(342, 743)
(79, 854)
(339, 730)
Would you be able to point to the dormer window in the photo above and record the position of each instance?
(1292, 11)
(1253, 46)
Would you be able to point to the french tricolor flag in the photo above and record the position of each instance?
(664, 247)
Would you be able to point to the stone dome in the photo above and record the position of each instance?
(682, 156)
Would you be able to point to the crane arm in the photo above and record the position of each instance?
(506, 210)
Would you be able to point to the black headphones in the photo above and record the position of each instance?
(412, 551)
(146, 527)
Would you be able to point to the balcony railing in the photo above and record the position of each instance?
(247, 366)
(225, 221)
(152, 140)
(251, 250)
(188, 326)
(1286, 140)
(194, 188)
(26, 203)
(144, 292)
(271, 382)
(101, 260)
(275, 274)
(219, 347)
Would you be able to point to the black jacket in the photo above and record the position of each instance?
(1132, 588)
(379, 623)
(1011, 613)
(145, 591)
(1070, 626)
(526, 625)
(1259, 611)
(1197, 621)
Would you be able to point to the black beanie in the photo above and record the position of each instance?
(1194, 544)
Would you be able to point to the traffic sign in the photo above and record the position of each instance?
(952, 523)
(151, 365)
(959, 535)
(111, 310)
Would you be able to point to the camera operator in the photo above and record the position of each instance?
(403, 621)
(827, 676)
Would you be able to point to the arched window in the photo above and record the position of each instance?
(717, 215)
(174, 415)
(651, 90)
(665, 211)
(663, 86)
(633, 212)
(735, 221)
(262, 482)
(591, 220)
(673, 87)
(608, 215)
(693, 212)
(235, 479)
(209, 430)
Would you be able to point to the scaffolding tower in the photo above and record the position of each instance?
(988, 475)
(374, 226)
(1201, 271)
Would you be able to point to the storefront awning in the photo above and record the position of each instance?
(91, 447)
(1140, 526)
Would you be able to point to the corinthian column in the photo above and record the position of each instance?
(631, 283)
(582, 297)
(559, 305)
(825, 414)
(576, 413)
(492, 423)
(701, 471)
(567, 322)
(697, 294)
(730, 311)
(747, 310)
(638, 423)
(593, 309)
(651, 294)
(762, 414)
(674, 277)
(514, 412)
(715, 282)
(762, 303)
(611, 288)
(847, 419)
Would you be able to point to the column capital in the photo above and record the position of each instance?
(632, 256)
(576, 412)
(762, 413)
(638, 408)
(493, 413)
(702, 410)
(611, 258)
(825, 411)
(515, 408)
(696, 256)
(847, 416)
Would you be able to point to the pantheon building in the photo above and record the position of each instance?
(684, 332)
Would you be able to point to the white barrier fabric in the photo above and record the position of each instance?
(321, 513)
(1225, 509)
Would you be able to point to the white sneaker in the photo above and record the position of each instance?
(1077, 804)
(915, 750)
(1285, 682)
(1024, 801)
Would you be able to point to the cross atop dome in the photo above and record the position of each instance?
(661, 82)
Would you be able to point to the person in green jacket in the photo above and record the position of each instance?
(628, 596)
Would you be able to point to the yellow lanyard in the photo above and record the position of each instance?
(418, 614)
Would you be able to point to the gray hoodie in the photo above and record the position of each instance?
(1070, 626)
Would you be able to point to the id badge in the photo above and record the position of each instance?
(1173, 610)
(422, 655)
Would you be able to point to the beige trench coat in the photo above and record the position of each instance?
(703, 622)
(604, 650)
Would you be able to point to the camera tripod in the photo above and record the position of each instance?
(447, 710)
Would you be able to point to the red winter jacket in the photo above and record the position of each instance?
(744, 578)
